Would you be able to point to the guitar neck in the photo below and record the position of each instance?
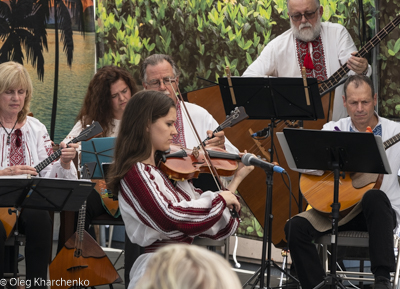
(393, 140)
(342, 71)
(47, 161)
(92, 131)
(80, 226)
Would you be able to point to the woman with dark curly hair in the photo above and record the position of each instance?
(111, 87)
(108, 93)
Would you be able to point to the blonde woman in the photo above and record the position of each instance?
(182, 266)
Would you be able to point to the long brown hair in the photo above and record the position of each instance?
(14, 75)
(133, 143)
(97, 103)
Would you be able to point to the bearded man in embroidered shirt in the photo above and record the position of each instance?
(321, 47)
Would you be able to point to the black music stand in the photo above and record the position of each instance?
(338, 152)
(275, 99)
(42, 194)
(99, 150)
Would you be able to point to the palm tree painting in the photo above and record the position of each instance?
(62, 21)
(23, 23)
(24, 39)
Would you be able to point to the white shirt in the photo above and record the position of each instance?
(144, 235)
(279, 58)
(203, 121)
(37, 147)
(154, 210)
(390, 185)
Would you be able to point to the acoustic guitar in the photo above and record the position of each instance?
(317, 190)
(7, 218)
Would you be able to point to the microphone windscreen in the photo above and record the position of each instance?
(246, 159)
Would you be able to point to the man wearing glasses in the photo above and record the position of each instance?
(321, 47)
(159, 72)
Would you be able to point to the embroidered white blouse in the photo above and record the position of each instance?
(37, 147)
(279, 58)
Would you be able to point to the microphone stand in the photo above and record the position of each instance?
(266, 254)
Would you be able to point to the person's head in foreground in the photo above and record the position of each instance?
(182, 266)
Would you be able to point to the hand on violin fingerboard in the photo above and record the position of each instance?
(216, 140)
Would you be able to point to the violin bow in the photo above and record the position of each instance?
(213, 171)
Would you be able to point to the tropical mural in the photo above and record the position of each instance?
(55, 42)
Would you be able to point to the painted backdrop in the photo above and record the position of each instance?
(28, 34)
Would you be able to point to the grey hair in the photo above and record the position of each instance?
(155, 59)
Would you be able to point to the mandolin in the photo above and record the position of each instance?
(317, 189)
(92, 131)
(81, 257)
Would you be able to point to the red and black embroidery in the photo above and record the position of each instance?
(318, 58)
(180, 137)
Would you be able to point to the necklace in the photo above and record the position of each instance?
(9, 134)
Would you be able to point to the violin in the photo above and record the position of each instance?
(181, 164)
(207, 159)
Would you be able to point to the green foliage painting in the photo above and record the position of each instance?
(205, 36)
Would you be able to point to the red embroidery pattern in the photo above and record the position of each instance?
(318, 58)
(16, 153)
(180, 137)
(48, 146)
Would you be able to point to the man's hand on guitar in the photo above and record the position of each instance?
(218, 140)
(358, 64)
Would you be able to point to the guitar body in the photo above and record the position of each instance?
(318, 191)
(109, 202)
(7, 220)
(92, 266)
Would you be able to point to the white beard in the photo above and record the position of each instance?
(306, 35)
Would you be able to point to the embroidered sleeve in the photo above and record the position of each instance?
(171, 211)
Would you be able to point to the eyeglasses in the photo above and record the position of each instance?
(307, 15)
(156, 83)
(18, 140)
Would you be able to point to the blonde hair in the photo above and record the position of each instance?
(182, 266)
(14, 76)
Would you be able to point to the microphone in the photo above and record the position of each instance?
(251, 160)
(263, 132)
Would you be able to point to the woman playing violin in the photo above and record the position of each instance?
(156, 211)
(24, 143)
